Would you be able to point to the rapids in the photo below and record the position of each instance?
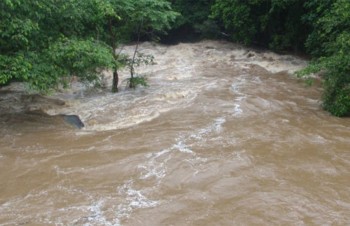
(223, 135)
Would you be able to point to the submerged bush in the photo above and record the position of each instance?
(137, 81)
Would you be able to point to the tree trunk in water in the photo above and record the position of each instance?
(132, 69)
(115, 56)
(132, 84)
(115, 81)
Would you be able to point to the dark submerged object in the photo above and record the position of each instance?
(73, 120)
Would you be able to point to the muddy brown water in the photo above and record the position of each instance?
(222, 136)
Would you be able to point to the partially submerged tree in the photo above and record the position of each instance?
(147, 18)
(45, 42)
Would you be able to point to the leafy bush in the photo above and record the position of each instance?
(44, 42)
(137, 81)
(333, 30)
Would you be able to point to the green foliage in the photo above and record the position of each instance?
(194, 19)
(44, 76)
(333, 32)
(45, 42)
(156, 17)
(336, 77)
(323, 26)
(131, 63)
(140, 59)
(82, 58)
(276, 24)
(17, 27)
(13, 67)
(237, 18)
(40, 44)
(146, 17)
(207, 29)
(192, 12)
(137, 81)
(315, 10)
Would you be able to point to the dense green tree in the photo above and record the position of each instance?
(315, 10)
(194, 21)
(149, 17)
(45, 42)
(276, 24)
(330, 41)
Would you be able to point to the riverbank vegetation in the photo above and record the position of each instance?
(319, 28)
(46, 42)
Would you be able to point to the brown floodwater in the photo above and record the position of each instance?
(223, 135)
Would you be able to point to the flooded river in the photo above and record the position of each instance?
(223, 135)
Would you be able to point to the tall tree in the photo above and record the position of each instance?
(149, 17)
(45, 42)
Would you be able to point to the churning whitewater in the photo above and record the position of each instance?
(223, 135)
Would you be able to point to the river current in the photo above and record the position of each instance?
(223, 135)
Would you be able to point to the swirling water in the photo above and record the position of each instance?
(223, 135)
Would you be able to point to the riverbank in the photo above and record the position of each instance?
(172, 64)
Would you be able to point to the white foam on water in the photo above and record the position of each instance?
(236, 89)
(238, 83)
(126, 122)
(241, 159)
(218, 124)
(105, 111)
(97, 217)
(279, 63)
(214, 127)
(156, 165)
(67, 171)
(319, 139)
(99, 211)
(108, 112)
(154, 168)
(157, 154)
(270, 61)
(134, 199)
(182, 147)
(237, 110)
